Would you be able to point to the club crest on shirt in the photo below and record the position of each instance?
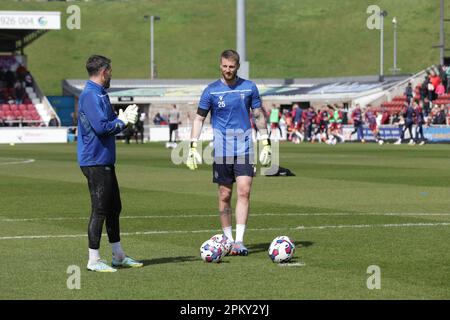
(221, 103)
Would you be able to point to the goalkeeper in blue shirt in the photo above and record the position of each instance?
(96, 150)
(229, 100)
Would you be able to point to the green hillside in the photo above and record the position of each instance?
(285, 39)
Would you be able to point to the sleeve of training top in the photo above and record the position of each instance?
(256, 100)
(98, 118)
(205, 100)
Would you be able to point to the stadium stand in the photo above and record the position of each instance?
(18, 110)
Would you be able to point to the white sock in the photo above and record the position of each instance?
(94, 255)
(240, 230)
(228, 232)
(117, 250)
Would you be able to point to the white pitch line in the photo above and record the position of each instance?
(17, 162)
(215, 215)
(355, 226)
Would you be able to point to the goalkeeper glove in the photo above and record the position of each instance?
(194, 157)
(265, 157)
(123, 117)
(130, 115)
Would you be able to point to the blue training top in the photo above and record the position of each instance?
(97, 127)
(230, 114)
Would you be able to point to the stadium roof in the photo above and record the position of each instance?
(281, 90)
(17, 40)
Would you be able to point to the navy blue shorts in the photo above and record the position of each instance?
(226, 172)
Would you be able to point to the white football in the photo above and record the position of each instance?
(281, 249)
(211, 251)
(224, 241)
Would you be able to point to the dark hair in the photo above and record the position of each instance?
(230, 55)
(95, 63)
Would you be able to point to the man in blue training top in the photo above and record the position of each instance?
(96, 149)
(230, 99)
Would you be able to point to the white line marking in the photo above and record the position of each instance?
(356, 226)
(293, 264)
(17, 162)
(216, 215)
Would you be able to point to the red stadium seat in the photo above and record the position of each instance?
(22, 107)
(30, 106)
(5, 107)
(17, 113)
(14, 107)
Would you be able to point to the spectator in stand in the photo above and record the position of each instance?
(442, 75)
(385, 116)
(440, 89)
(427, 105)
(19, 92)
(53, 121)
(409, 93)
(2, 77)
(435, 80)
(28, 79)
(21, 72)
(434, 113)
(423, 90)
(447, 75)
(10, 100)
(10, 79)
(442, 114)
(157, 119)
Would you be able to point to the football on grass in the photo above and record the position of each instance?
(224, 241)
(281, 249)
(211, 251)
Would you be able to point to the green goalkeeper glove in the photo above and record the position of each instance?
(194, 157)
(265, 157)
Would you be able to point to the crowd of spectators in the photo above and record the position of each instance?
(16, 107)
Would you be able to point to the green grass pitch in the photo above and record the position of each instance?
(356, 206)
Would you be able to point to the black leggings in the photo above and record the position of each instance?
(105, 203)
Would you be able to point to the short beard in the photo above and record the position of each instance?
(107, 84)
(231, 78)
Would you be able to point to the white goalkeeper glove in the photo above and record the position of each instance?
(130, 115)
(122, 117)
(194, 157)
(265, 157)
